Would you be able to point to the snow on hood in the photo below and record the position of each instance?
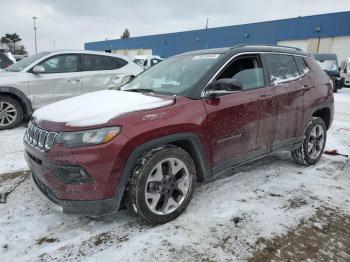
(98, 107)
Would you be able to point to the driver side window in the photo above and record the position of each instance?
(248, 70)
(61, 64)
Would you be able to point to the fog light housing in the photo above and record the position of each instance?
(70, 174)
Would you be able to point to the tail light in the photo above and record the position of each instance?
(7, 65)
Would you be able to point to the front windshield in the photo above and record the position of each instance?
(174, 75)
(19, 66)
(328, 65)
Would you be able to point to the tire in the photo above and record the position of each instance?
(154, 180)
(315, 135)
(11, 113)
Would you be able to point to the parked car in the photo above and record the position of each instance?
(147, 61)
(185, 120)
(5, 61)
(329, 64)
(51, 76)
(19, 57)
(346, 72)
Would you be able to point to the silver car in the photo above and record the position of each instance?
(51, 76)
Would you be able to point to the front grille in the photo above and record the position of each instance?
(40, 138)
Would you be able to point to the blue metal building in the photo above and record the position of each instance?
(271, 32)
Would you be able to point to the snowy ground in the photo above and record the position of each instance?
(236, 217)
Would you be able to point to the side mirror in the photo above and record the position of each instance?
(38, 70)
(223, 87)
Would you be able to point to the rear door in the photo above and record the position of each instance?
(61, 80)
(101, 72)
(236, 121)
(290, 87)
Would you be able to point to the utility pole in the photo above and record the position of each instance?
(36, 47)
(207, 24)
(54, 44)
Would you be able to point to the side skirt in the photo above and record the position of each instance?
(254, 155)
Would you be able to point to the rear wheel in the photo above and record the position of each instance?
(314, 143)
(162, 184)
(11, 113)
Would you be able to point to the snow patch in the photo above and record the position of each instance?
(98, 107)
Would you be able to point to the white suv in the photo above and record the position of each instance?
(51, 76)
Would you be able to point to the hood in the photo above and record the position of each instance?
(98, 108)
(11, 77)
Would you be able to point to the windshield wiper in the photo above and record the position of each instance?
(141, 90)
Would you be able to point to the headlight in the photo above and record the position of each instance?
(88, 137)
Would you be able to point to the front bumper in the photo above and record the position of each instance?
(97, 197)
(92, 208)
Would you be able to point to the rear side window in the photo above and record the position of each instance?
(118, 62)
(303, 68)
(283, 68)
(99, 62)
(4, 60)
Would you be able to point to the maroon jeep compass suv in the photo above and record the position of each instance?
(182, 121)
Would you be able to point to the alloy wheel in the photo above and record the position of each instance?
(167, 186)
(316, 141)
(8, 113)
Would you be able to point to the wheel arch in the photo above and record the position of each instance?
(187, 141)
(20, 97)
(325, 114)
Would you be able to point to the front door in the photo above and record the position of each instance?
(235, 120)
(61, 80)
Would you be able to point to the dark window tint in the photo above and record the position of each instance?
(61, 64)
(118, 62)
(282, 68)
(247, 70)
(97, 62)
(2, 61)
(303, 68)
(155, 61)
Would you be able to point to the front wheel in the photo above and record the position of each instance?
(11, 113)
(162, 184)
(310, 152)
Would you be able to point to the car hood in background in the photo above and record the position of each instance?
(7, 78)
(98, 108)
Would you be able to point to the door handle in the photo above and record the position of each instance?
(306, 88)
(73, 81)
(114, 77)
(264, 97)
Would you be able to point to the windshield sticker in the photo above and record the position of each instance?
(211, 56)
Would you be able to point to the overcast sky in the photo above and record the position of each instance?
(72, 23)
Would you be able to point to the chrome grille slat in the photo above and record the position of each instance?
(37, 137)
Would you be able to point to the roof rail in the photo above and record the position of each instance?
(278, 46)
